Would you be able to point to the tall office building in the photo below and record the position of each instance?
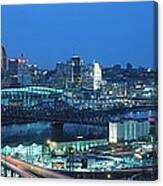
(75, 70)
(13, 72)
(97, 76)
(3, 62)
(24, 76)
(19, 74)
(60, 77)
(93, 77)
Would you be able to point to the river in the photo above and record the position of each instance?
(40, 131)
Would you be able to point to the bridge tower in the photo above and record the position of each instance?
(57, 130)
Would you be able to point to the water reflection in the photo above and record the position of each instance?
(39, 132)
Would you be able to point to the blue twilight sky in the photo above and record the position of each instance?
(109, 32)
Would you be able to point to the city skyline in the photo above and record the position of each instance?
(106, 44)
(28, 62)
(94, 115)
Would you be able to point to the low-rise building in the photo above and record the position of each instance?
(128, 130)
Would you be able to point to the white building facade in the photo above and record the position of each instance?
(97, 76)
(128, 130)
(93, 77)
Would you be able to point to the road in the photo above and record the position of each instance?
(29, 170)
(17, 170)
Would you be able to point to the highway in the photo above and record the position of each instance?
(17, 170)
(29, 170)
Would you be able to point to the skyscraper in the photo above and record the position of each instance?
(75, 70)
(19, 74)
(12, 72)
(97, 76)
(3, 62)
(93, 77)
(24, 77)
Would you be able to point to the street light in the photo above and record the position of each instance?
(109, 176)
(48, 141)
(51, 144)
